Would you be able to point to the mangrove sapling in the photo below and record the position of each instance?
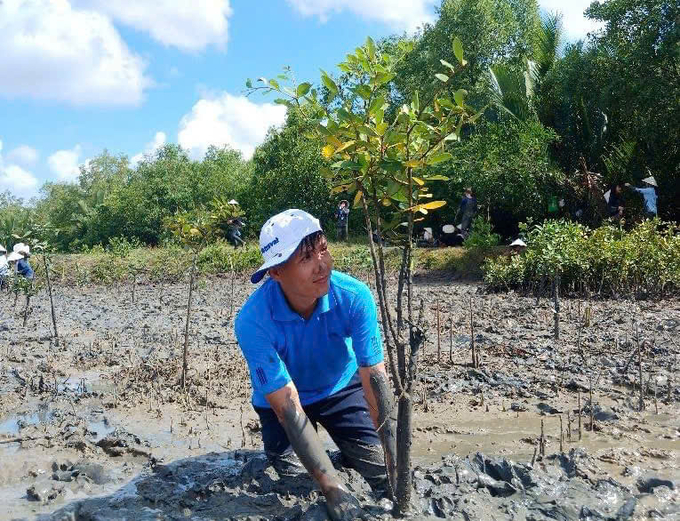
(382, 154)
(194, 230)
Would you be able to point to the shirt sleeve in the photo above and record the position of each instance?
(268, 373)
(366, 340)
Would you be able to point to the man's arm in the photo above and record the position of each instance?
(379, 398)
(285, 403)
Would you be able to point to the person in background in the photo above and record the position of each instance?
(517, 247)
(23, 267)
(615, 206)
(467, 211)
(342, 220)
(236, 224)
(4, 266)
(648, 193)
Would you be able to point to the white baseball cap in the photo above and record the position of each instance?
(281, 235)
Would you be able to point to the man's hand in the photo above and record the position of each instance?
(341, 505)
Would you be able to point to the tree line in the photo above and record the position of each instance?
(558, 119)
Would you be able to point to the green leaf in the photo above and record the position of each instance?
(391, 165)
(249, 83)
(376, 105)
(363, 90)
(274, 83)
(459, 97)
(415, 104)
(447, 65)
(436, 178)
(329, 83)
(442, 77)
(370, 47)
(281, 101)
(382, 78)
(458, 50)
(303, 89)
(438, 158)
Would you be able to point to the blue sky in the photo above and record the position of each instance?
(83, 75)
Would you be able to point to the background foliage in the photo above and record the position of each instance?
(608, 104)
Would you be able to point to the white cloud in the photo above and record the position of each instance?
(228, 120)
(24, 155)
(189, 25)
(158, 141)
(574, 23)
(53, 51)
(17, 180)
(399, 14)
(65, 163)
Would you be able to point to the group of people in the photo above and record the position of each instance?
(19, 259)
(615, 199)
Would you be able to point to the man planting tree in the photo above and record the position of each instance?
(311, 340)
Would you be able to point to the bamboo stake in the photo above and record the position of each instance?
(439, 341)
(475, 360)
(580, 423)
(451, 339)
(561, 435)
(637, 337)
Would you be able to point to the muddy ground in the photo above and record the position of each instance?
(97, 427)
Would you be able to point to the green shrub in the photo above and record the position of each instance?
(482, 235)
(610, 260)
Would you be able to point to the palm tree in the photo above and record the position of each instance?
(512, 88)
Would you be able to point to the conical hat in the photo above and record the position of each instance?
(607, 195)
(650, 181)
(233, 201)
(448, 228)
(20, 247)
(519, 242)
(3, 249)
(14, 256)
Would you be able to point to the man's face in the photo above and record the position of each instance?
(307, 273)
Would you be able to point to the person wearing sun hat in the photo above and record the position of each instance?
(23, 268)
(648, 193)
(311, 340)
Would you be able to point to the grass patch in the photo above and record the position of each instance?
(172, 263)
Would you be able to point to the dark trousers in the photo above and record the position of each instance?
(342, 231)
(345, 417)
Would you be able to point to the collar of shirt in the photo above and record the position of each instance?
(282, 312)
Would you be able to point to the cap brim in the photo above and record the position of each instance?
(279, 259)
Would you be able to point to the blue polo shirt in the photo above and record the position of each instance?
(319, 355)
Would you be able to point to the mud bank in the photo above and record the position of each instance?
(97, 423)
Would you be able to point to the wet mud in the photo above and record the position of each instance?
(97, 425)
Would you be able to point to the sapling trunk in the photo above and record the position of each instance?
(28, 303)
(639, 349)
(186, 327)
(404, 423)
(49, 292)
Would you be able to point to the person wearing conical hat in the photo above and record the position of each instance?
(649, 196)
(517, 247)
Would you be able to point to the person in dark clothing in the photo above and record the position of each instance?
(342, 220)
(615, 205)
(234, 232)
(467, 210)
